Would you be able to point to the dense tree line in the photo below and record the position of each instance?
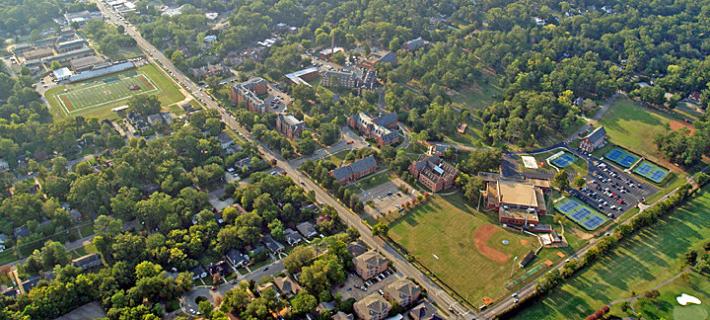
(108, 38)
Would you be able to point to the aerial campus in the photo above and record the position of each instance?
(295, 159)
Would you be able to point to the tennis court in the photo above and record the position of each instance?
(562, 159)
(651, 171)
(622, 157)
(580, 213)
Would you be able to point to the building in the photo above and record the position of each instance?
(289, 126)
(339, 79)
(423, 311)
(402, 292)
(237, 258)
(594, 140)
(380, 129)
(62, 74)
(379, 57)
(37, 53)
(342, 316)
(4, 166)
(433, 172)
(70, 45)
(210, 70)
(325, 54)
(415, 44)
(85, 63)
(256, 97)
(273, 245)
(370, 264)
(303, 76)
(287, 286)
(81, 17)
(292, 237)
(68, 56)
(527, 259)
(87, 262)
(307, 229)
(354, 171)
(372, 307)
(518, 203)
(437, 149)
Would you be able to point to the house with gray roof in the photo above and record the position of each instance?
(307, 229)
(89, 261)
(237, 258)
(354, 171)
(292, 237)
(403, 292)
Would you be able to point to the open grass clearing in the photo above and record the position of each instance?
(450, 238)
(639, 264)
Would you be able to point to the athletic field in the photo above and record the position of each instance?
(96, 97)
(642, 262)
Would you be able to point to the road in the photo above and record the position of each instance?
(439, 296)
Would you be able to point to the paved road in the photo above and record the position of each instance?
(441, 297)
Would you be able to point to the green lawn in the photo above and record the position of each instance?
(634, 127)
(642, 262)
(666, 306)
(96, 97)
(372, 180)
(440, 236)
(478, 95)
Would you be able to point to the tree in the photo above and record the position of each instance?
(561, 180)
(380, 229)
(205, 308)
(579, 181)
(144, 105)
(303, 303)
(298, 258)
(236, 300)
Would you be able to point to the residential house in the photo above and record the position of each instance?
(30, 283)
(21, 232)
(381, 129)
(402, 292)
(292, 237)
(594, 140)
(326, 307)
(87, 262)
(237, 258)
(198, 272)
(273, 245)
(225, 141)
(433, 172)
(307, 229)
(372, 307)
(4, 166)
(423, 311)
(289, 126)
(354, 171)
(370, 264)
(210, 70)
(287, 286)
(415, 44)
(342, 316)
(3, 239)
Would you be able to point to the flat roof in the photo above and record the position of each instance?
(516, 193)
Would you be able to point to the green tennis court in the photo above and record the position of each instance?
(580, 213)
(651, 171)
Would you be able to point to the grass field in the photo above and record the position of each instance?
(666, 307)
(441, 236)
(639, 264)
(96, 97)
(634, 127)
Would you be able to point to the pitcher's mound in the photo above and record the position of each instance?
(480, 239)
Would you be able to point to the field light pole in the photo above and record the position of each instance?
(512, 267)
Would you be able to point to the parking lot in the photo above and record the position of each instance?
(610, 190)
(385, 198)
(356, 288)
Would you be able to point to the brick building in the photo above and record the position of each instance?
(289, 126)
(433, 172)
(381, 129)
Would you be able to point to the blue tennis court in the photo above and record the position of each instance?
(622, 157)
(580, 213)
(563, 160)
(651, 171)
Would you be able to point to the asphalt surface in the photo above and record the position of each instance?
(439, 296)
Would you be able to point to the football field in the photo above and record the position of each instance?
(96, 97)
(106, 91)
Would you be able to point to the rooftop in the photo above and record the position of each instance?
(516, 193)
